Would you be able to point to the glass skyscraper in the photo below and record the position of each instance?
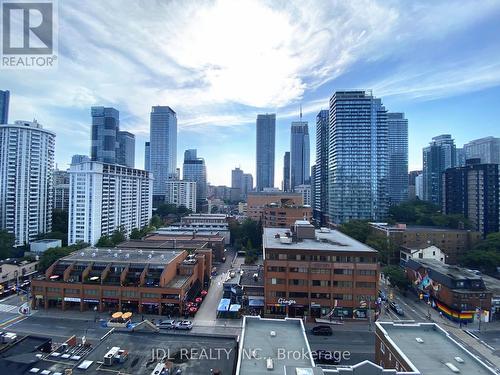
(195, 170)
(398, 157)
(300, 165)
(357, 157)
(163, 147)
(105, 127)
(4, 106)
(147, 156)
(487, 149)
(320, 203)
(266, 133)
(286, 171)
(126, 149)
(440, 155)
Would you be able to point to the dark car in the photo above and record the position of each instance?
(322, 331)
(396, 308)
(382, 295)
(325, 357)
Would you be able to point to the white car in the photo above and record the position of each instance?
(184, 324)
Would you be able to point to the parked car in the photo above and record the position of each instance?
(167, 324)
(325, 357)
(396, 308)
(184, 325)
(382, 295)
(322, 331)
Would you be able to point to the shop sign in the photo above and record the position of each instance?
(72, 299)
(39, 296)
(283, 301)
(91, 300)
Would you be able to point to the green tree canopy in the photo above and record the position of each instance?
(60, 221)
(397, 277)
(55, 253)
(7, 242)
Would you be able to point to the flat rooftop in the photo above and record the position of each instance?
(417, 228)
(257, 345)
(455, 272)
(45, 241)
(119, 255)
(331, 240)
(437, 349)
(192, 355)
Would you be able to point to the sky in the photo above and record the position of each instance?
(220, 63)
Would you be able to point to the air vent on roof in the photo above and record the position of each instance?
(452, 367)
(269, 364)
(273, 333)
(419, 340)
(459, 360)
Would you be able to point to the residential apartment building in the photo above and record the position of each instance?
(195, 170)
(487, 149)
(310, 272)
(283, 215)
(139, 280)
(320, 203)
(453, 242)
(266, 133)
(257, 201)
(440, 155)
(147, 156)
(456, 292)
(306, 191)
(286, 172)
(398, 157)
(473, 191)
(358, 157)
(105, 197)
(26, 179)
(105, 128)
(61, 190)
(163, 148)
(181, 193)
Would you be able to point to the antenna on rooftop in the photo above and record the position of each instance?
(300, 116)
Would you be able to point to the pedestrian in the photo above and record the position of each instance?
(441, 314)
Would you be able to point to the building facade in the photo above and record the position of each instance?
(126, 149)
(440, 155)
(26, 179)
(487, 149)
(257, 201)
(412, 184)
(358, 157)
(286, 172)
(320, 203)
(306, 191)
(284, 215)
(4, 106)
(106, 197)
(453, 242)
(157, 281)
(310, 272)
(266, 133)
(194, 169)
(163, 147)
(398, 157)
(61, 190)
(300, 165)
(105, 127)
(147, 156)
(247, 184)
(473, 191)
(181, 193)
(77, 159)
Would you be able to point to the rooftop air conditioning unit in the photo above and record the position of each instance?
(286, 240)
(269, 364)
(273, 333)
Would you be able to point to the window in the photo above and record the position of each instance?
(342, 271)
(297, 282)
(342, 284)
(365, 284)
(323, 271)
(298, 295)
(276, 269)
(367, 272)
(382, 347)
(275, 281)
(320, 283)
(109, 293)
(298, 269)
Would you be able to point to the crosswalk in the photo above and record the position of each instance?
(7, 308)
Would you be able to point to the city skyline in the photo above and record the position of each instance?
(428, 89)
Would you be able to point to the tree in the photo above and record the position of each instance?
(104, 241)
(135, 234)
(60, 221)
(485, 256)
(156, 221)
(386, 249)
(7, 242)
(357, 229)
(118, 236)
(51, 255)
(397, 277)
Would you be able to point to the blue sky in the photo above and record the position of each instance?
(220, 63)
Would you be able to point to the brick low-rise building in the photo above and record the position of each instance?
(143, 281)
(308, 272)
(456, 292)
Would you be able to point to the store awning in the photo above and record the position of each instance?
(255, 302)
(224, 304)
(235, 308)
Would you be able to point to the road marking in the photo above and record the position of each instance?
(7, 308)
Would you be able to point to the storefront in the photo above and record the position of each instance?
(72, 303)
(152, 308)
(110, 304)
